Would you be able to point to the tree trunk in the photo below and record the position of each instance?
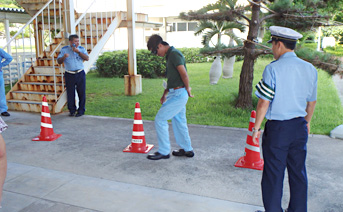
(247, 73)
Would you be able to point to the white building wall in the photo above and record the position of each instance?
(161, 11)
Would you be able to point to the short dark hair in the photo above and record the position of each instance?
(154, 40)
(72, 37)
(288, 44)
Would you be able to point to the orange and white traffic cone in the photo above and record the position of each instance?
(252, 158)
(138, 144)
(46, 130)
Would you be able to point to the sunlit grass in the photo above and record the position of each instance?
(212, 104)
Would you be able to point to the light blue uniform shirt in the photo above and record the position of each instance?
(288, 83)
(74, 62)
(4, 55)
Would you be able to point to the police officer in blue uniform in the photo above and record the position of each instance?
(287, 97)
(73, 57)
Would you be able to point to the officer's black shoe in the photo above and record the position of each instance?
(79, 114)
(182, 152)
(157, 156)
(71, 114)
(5, 113)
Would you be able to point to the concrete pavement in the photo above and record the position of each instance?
(86, 170)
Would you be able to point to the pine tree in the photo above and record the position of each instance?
(300, 15)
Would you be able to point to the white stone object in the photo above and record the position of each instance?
(337, 132)
(215, 71)
(328, 41)
(228, 67)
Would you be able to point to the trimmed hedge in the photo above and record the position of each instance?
(192, 55)
(114, 64)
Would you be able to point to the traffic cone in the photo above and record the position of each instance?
(252, 158)
(46, 130)
(138, 144)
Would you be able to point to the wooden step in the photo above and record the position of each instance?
(97, 14)
(33, 6)
(52, 25)
(89, 39)
(40, 86)
(45, 70)
(94, 33)
(46, 54)
(51, 48)
(43, 78)
(46, 62)
(93, 26)
(31, 1)
(34, 95)
(26, 105)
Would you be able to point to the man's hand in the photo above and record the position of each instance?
(163, 99)
(66, 55)
(255, 136)
(75, 49)
(189, 92)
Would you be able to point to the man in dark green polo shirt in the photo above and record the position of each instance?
(173, 100)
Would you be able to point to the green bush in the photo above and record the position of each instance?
(193, 55)
(309, 45)
(115, 64)
(337, 50)
(319, 59)
(335, 31)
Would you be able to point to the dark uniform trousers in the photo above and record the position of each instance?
(284, 145)
(78, 80)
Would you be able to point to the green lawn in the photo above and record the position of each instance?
(212, 104)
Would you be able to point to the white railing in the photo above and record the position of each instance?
(23, 58)
(92, 19)
(52, 56)
(86, 16)
(46, 28)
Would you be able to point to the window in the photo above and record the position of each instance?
(181, 27)
(174, 27)
(192, 26)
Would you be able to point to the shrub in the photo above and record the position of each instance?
(115, 64)
(193, 55)
(322, 60)
(336, 32)
(337, 50)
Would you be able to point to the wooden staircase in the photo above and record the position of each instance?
(45, 77)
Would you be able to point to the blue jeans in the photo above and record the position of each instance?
(173, 108)
(3, 104)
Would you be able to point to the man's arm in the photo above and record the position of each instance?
(81, 54)
(310, 110)
(163, 98)
(8, 58)
(61, 59)
(261, 110)
(185, 79)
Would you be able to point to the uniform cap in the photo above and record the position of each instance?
(284, 34)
